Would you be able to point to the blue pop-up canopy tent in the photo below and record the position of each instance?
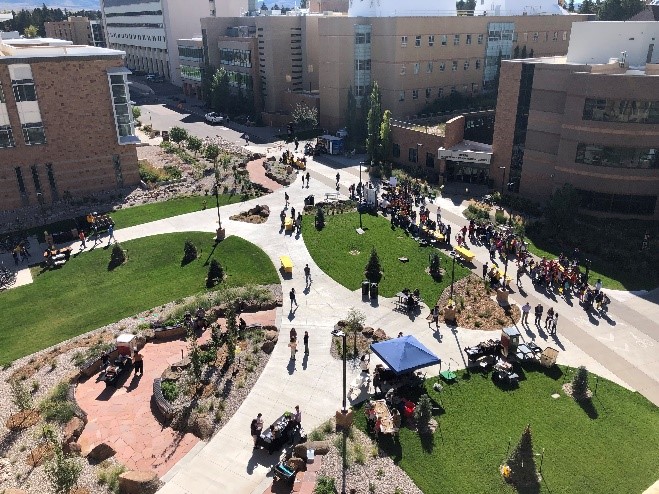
(404, 354)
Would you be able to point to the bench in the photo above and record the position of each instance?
(331, 196)
(464, 253)
(286, 264)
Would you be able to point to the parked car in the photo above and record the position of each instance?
(214, 118)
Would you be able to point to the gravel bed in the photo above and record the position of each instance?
(379, 470)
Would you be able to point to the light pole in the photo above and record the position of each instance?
(587, 262)
(361, 191)
(452, 274)
(505, 270)
(219, 233)
(344, 411)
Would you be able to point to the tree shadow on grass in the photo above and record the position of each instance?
(588, 406)
(392, 447)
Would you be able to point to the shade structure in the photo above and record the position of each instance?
(404, 354)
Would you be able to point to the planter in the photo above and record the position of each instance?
(220, 234)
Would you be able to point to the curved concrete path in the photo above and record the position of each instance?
(227, 462)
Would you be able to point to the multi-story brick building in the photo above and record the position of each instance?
(66, 127)
(415, 56)
(590, 119)
(79, 30)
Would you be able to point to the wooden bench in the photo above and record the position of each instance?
(331, 196)
(286, 264)
(464, 253)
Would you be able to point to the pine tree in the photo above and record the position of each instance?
(117, 256)
(374, 268)
(374, 122)
(570, 6)
(522, 462)
(320, 219)
(580, 384)
(189, 252)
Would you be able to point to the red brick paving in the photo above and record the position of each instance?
(257, 175)
(123, 417)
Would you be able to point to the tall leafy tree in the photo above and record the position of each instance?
(220, 91)
(351, 116)
(587, 7)
(385, 135)
(619, 10)
(570, 6)
(178, 135)
(374, 121)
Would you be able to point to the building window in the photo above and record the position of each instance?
(401, 95)
(51, 180)
(442, 66)
(444, 39)
(416, 68)
(440, 92)
(429, 68)
(24, 90)
(193, 73)
(35, 179)
(19, 179)
(415, 94)
(362, 38)
(431, 40)
(428, 92)
(360, 90)
(621, 111)
(564, 35)
(417, 41)
(453, 90)
(480, 39)
(478, 64)
(403, 41)
(412, 155)
(123, 117)
(6, 137)
(456, 39)
(191, 53)
(34, 134)
(526, 37)
(363, 64)
(617, 157)
(454, 65)
(238, 58)
(395, 150)
(466, 65)
(617, 203)
(555, 36)
(402, 70)
(430, 160)
(468, 41)
(535, 37)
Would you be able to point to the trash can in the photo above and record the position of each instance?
(374, 291)
(365, 288)
(309, 201)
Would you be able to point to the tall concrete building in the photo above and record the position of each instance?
(589, 119)
(415, 55)
(66, 126)
(79, 30)
(147, 31)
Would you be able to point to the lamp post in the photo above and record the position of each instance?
(220, 232)
(452, 274)
(361, 191)
(587, 262)
(344, 411)
(505, 271)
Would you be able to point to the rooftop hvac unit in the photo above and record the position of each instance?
(622, 61)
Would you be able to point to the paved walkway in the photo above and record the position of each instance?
(257, 175)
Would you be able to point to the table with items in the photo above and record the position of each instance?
(283, 428)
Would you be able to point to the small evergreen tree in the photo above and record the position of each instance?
(320, 219)
(374, 268)
(435, 265)
(117, 256)
(580, 384)
(423, 413)
(522, 462)
(215, 274)
(570, 6)
(195, 354)
(189, 252)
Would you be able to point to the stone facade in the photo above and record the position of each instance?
(81, 155)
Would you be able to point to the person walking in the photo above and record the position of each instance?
(293, 333)
(308, 177)
(286, 199)
(526, 308)
(292, 212)
(111, 234)
(293, 346)
(434, 313)
(520, 272)
(448, 234)
(485, 267)
(305, 340)
(255, 428)
(307, 274)
(81, 236)
(338, 177)
(554, 322)
(138, 362)
(549, 319)
(293, 301)
(297, 143)
(538, 314)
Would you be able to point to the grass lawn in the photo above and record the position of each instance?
(83, 295)
(615, 452)
(334, 250)
(612, 245)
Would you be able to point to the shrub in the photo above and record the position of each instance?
(63, 470)
(320, 219)
(55, 407)
(215, 274)
(423, 412)
(189, 252)
(479, 215)
(93, 352)
(109, 475)
(358, 452)
(173, 172)
(373, 271)
(21, 397)
(580, 384)
(499, 217)
(117, 256)
(149, 173)
(170, 390)
(325, 485)
(435, 265)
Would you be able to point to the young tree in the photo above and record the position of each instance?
(351, 117)
(619, 10)
(374, 121)
(189, 252)
(423, 413)
(373, 268)
(580, 384)
(117, 256)
(194, 144)
(31, 32)
(522, 462)
(320, 219)
(137, 113)
(211, 152)
(215, 274)
(304, 116)
(531, 53)
(194, 353)
(220, 90)
(178, 135)
(354, 324)
(385, 136)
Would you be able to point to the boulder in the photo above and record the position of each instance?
(300, 451)
(368, 332)
(271, 335)
(268, 346)
(73, 429)
(379, 335)
(202, 427)
(138, 482)
(320, 447)
(14, 491)
(22, 420)
(296, 464)
(72, 448)
(39, 455)
(101, 452)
